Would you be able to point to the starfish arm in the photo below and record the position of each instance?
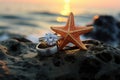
(62, 44)
(70, 23)
(76, 41)
(81, 45)
(58, 30)
(82, 30)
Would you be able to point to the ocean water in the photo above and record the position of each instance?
(35, 22)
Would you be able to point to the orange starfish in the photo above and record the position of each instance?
(71, 33)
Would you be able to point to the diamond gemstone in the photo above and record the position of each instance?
(50, 38)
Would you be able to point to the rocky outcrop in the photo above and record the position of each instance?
(106, 29)
(4, 71)
(19, 60)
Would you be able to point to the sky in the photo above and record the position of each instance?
(59, 6)
(81, 3)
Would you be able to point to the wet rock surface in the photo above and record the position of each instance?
(4, 71)
(106, 29)
(19, 60)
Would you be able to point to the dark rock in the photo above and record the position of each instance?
(15, 48)
(118, 24)
(99, 62)
(106, 29)
(3, 52)
(70, 58)
(4, 71)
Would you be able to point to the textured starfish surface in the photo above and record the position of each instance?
(71, 33)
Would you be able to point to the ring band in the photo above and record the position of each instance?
(48, 44)
(47, 51)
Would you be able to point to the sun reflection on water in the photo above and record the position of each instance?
(61, 19)
(65, 12)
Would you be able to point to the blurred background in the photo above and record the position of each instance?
(33, 18)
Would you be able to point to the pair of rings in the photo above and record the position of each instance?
(48, 44)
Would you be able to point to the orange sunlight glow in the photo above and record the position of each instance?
(67, 1)
(61, 19)
(66, 10)
(80, 3)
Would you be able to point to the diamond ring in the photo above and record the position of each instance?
(48, 44)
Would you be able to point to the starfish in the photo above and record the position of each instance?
(71, 33)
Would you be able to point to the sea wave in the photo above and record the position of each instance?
(13, 17)
(44, 13)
